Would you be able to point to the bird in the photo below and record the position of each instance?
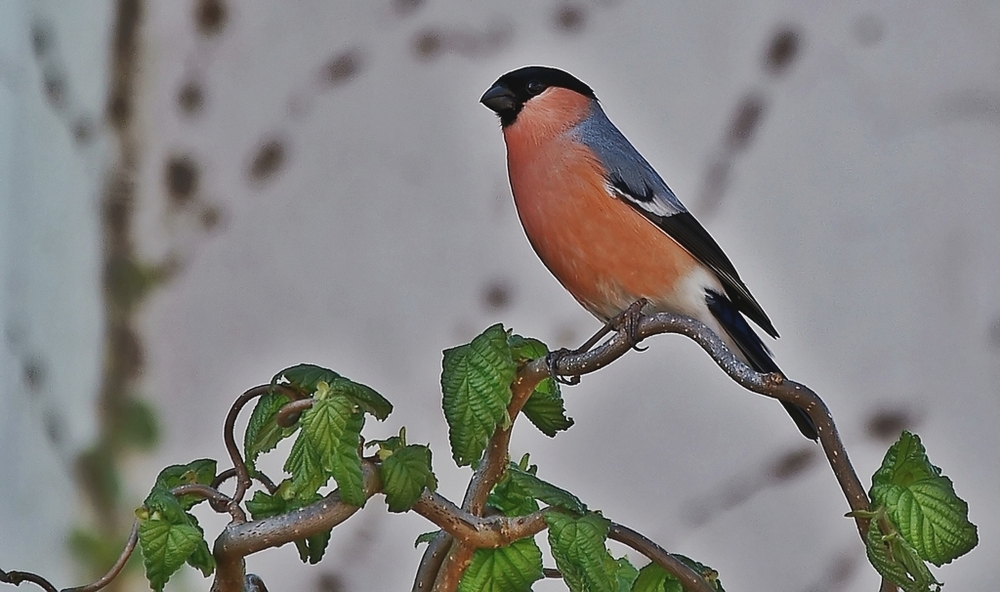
(605, 223)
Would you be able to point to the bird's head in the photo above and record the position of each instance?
(531, 86)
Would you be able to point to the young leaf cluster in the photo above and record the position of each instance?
(917, 517)
(169, 535)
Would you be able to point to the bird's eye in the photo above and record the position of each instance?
(535, 87)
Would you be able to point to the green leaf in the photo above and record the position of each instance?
(544, 491)
(312, 548)
(653, 578)
(263, 505)
(263, 432)
(506, 569)
(166, 546)
(426, 538)
(201, 559)
(511, 498)
(622, 571)
(364, 397)
(476, 384)
(328, 447)
(405, 474)
(305, 377)
(525, 349)
(164, 505)
(922, 503)
(578, 547)
(545, 409)
(199, 471)
(893, 558)
(306, 468)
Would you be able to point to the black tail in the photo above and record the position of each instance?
(754, 350)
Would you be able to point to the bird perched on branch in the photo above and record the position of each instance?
(607, 225)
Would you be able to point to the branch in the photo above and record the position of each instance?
(486, 475)
(774, 386)
(16, 577)
(476, 532)
(691, 580)
(241, 539)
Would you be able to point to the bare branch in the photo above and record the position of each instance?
(258, 475)
(219, 501)
(769, 385)
(430, 563)
(474, 531)
(16, 577)
(691, 580)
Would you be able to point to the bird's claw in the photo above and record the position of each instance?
(627, 321)
(552, 360)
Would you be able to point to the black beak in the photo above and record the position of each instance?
(499, 98)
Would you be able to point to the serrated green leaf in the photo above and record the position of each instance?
(165, 548)
(506, 569)
(263, 505)
(893, 558)
(511, 498)
(305, 377)
(546, 410)
(165, 506)
(306, 468)
(476, 382)
(198, 471)
(544, 491)
(524, 349)
(622, 571)
(922, 503)
(578, 546)
(263, 432)
(654, 578)
(332, 429)
(201, 558)
(363, 396)
(405, 475)
(312, 548)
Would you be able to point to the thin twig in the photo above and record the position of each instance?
(219, 501)
(16, 577)
(290, 412)
(691, 580)
(242, 474)
(119, 564)
(257, 474)
(474, 531)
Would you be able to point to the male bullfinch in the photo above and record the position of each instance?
(605, 223)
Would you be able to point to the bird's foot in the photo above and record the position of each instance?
(628, 321)
(553, 358)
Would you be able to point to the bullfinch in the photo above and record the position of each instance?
(606, 224)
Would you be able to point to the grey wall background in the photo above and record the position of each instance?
(328, 190)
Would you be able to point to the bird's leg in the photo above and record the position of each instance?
(628, 320)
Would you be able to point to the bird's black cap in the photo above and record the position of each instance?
(511, 91)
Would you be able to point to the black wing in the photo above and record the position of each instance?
(689, 233)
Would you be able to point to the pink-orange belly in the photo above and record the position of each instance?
(605, 253)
